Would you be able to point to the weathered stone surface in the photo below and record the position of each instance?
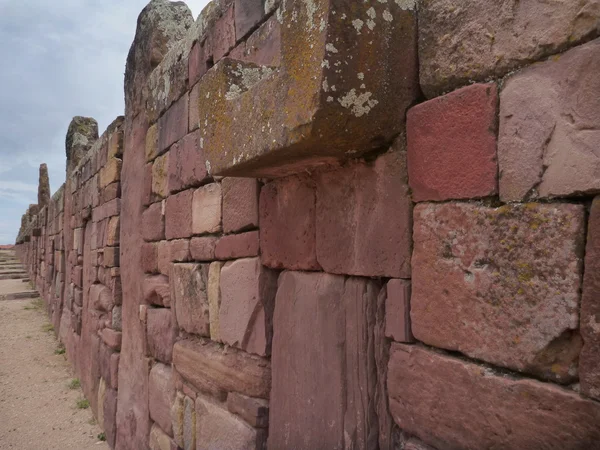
(81, 135)
(110, 416)
(203, 248)
(214, 299)
(255, 411)
(218, 428)
(111, 172)
(323, 337)
(164, 257)
(416, 444)
(204, 362)
(450, 403)
(160, 176)
(153, 219)
(550, 126)
(157, 290)
(190, 298)
(354, 90)
(161, 393)
(589, 360)
(159, 440)
(100, 298)
(452, 145)
(112, 338)
(179, 250)
(189, 424)
(363, 218)
(287, 224)
(179, 215)
(113, 231)
(43, 186)
(506, 284)
(177, 411)
(187, 164)
(397, 311)
(152, 143)
(247, 301)
(206, 209)
(111, 256)
(161, 333)
(479, 39)
(240, 204)
(242, 245)
(248, 14)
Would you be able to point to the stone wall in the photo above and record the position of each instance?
(340, 225)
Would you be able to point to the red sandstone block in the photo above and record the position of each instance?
(240, 204)
(237, 246)
(397, 311)
(179, 250)
(112, 208)
(255, 411)
(222, 36)
(149, 257)
(364, 219)
(110, 192)
(452, 145)
(248, 14)
(589, 359)
(194, 113)
(78, 276)
(179, 215)
(116, 289)
(197, 63)
(156, 291)
(160, 333)
(173, 124)
(203, 248)
(113, 231)
(187, 164)
(247, 301)
(452, 403)
(161, 392)
(160, 176)
(147, 197)
(112, 338)
(263, 47)
(207, 209)
(164, 257)
(287, 224)
(114, 370)
(110, 416)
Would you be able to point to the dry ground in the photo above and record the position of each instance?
(38, 409)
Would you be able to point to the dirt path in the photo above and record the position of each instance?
(38, 409)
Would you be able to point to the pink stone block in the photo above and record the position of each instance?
(287, 224)
(247, 301)
(173, 124)
(112, 338)
(364, 214)
(248, 14)
(452, 145)
(179, 215)
(149, 257)
(237, 246)
(190, 298)
(203, 248)
(153, 222)
(222, 36)
(164, 257)
(397, 311)
(206, 209)
(160, 333)
(179, 250)
(161, 392)
(240, 204)
(187, 164)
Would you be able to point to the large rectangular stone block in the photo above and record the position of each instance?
(206, 364)
(480, 39)
(173, 124)
(452, 145)
(287, 224)
(363, 218)
(187, 164)
(500, 284)
(550, 127)
(178, 213)
(206, 209)
(161, 393)
(153, 222)
(247, 301)
(240, 204)
(324, 336)
(589, 360)
(454, 404)
(161, 333)
(190, 297)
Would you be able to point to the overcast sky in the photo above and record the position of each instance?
(58, 60)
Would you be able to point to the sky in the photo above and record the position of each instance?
(59, 59)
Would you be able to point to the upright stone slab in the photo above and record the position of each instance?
(500, 284)
(323, 337)
(190, 297)
(549, 127)
(454, 404)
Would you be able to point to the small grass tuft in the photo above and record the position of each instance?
(93, 421)
(102, 436)
(74, 383)
(48, 327)
(83, 403)
(60, 350)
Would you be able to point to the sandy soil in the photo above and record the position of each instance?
(38, 410)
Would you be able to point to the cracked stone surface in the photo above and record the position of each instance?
(549, 139)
